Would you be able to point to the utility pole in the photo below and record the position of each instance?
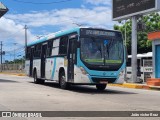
(125, 42)
(1, 52)
(25, 27)
(134, 49)
(14, 54)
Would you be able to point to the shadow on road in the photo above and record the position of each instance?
(86, 89)
(93, 90)
(3, 81)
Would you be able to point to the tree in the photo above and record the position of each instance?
(16, 61)
(152, 23)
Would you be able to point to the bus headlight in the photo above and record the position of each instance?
(121, 73)
(83, 70)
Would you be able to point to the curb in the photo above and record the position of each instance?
(136, 86)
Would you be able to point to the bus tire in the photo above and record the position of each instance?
(62, 81)
(36, 80)
(101, 87)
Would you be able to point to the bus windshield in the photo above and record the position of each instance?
(101, 51)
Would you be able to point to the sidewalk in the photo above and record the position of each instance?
(136, 86)
(13, 73)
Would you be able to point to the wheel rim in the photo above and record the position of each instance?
(63, 80)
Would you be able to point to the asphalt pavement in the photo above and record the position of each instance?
(19, 93)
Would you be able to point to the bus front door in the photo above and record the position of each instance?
(31, 62)
(43, 60)
(71, 59)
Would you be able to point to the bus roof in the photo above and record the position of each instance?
(60, 33)
(149, 54)
(53, 35)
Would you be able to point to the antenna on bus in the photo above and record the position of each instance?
(39, 36)
(79, 25)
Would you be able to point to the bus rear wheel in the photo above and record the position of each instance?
(62, 81)
(101, 86)
(37, 80)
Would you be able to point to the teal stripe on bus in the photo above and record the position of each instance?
(37, 41)
(54, 68)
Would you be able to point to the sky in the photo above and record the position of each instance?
(43, 17)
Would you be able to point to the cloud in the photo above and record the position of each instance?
(99, 2)
(12, 25)
(96, 13)
(96, 16)
(12, 32)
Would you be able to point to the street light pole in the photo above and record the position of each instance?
(25, 27)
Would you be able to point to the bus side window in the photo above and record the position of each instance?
(63, 45)
(37, 52)
(55, 47)
(49, 48)
(28, 53)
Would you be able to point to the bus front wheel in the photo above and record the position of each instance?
(101, 86)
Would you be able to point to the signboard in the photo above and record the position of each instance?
(3, 9)
(123, 9)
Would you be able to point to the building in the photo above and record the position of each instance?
(155, 38)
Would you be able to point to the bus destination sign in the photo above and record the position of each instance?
(98, 32)
(123, 9)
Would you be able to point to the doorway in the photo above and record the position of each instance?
(43, 60)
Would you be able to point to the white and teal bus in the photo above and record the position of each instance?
(79, 56)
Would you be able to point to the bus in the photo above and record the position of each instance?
(79, 56)
(144, 66)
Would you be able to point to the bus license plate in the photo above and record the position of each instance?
(104, 82)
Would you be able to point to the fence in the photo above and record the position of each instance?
(12, 67)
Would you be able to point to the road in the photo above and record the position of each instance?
(19, 93)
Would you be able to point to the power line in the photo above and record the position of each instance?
(11, 35)
(18, 49)
(29, 2)
(70, 20)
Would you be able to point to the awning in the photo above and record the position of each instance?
(3, 9)
(154, 35)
